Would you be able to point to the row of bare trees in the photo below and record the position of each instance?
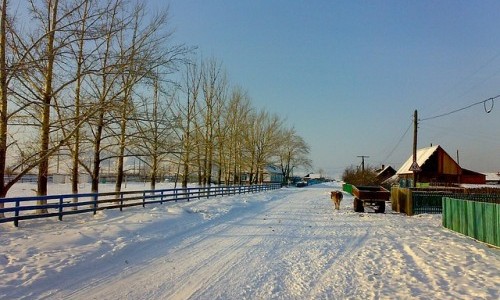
(219, 127)
(96, 81)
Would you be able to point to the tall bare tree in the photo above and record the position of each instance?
(235, 121)
(3, 98)
(293, 152)
(42, 76)
(156, 128)
(147, 53)
(80, 59)
(214, 84)
(105, 86)
(187, 116)
(265, 139)
(34, 89)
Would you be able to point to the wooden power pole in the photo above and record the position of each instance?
(415, 167)
(363, 167)
(363, 162)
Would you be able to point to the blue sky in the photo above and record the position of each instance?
(349, 74)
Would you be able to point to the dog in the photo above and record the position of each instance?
(336, 197)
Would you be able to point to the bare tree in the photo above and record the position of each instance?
(236, 115)
(293, 152)
(214, 84)
(187, 117)
(265, 134)
(143, 54)
(3, 99)
(104, 86)
(80, 56)
(42, 76)
(156, 128)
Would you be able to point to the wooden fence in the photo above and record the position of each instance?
(479, 220)
(414, 201)
(24, 208)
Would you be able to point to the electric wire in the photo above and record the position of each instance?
(484, 102)
(399, 142)
(468, 78)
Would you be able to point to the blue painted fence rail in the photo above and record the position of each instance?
(24, 208)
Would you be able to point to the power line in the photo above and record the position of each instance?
(487, 108)
(399, 142)
(469, 77)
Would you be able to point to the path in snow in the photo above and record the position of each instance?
(286, 244)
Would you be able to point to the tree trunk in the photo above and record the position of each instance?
(76, 147)
(3, 102)
(121, 152)
(154, 172)
(43, 168)
(96, 164)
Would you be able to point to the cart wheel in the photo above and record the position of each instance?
(381, 208)
(358, 205)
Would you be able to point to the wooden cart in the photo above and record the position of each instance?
(370, 196)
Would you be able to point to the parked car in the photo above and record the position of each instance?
(301, 184)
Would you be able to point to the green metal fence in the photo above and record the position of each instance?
(477, 219)
(346, 187)
(427, 203)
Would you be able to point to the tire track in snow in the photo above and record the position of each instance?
(203, 257)
(342, 267)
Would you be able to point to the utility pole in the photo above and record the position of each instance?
(363, 162)
(415, 167)
(363, 167)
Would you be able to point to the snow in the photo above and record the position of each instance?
(283, 244)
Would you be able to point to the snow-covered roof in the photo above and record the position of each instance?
(380, 171)
(422, 156)
(313, 176)
(273, 169)
(492, 176)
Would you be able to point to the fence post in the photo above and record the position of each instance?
(95, 203)
(144, 199)
(410, 202)
(161, 197)
(60, 208)
(121, 201)
(16, 214)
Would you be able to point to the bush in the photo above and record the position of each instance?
(356, 176)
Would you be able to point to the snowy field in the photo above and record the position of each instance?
(284, 244)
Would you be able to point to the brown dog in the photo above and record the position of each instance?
(336, 197)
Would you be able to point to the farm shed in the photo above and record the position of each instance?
(438, 166)
(385, 172)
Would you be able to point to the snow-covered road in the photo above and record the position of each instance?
(286, 244)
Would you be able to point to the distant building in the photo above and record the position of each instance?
(271, 174)
(437, 166)
(385, 172)
(492, 178)
(312, 176)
